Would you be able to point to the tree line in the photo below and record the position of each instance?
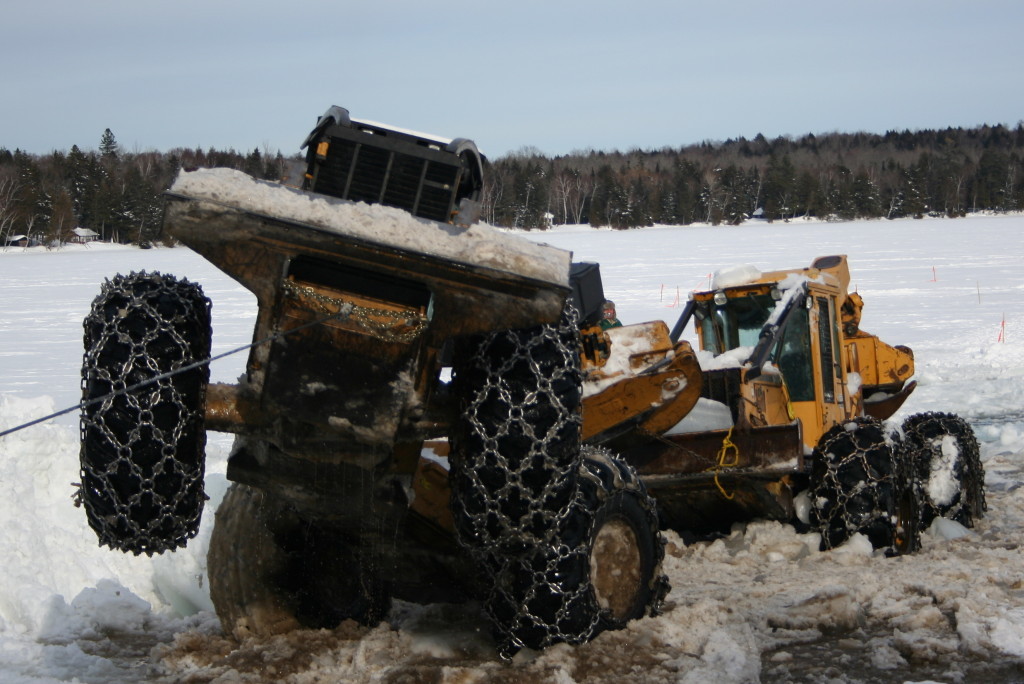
(837, 176)
(947, 172)
(115, 193)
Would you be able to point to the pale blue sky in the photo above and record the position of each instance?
(558, 75)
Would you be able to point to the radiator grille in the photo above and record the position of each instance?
(365, 173)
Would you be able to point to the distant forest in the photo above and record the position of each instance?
(839, 176)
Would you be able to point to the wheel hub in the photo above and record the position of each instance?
(616, 568)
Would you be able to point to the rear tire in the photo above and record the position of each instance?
(947, 467)
(271, 571)
(601, 570)
(243, 561)
(858, 486)
(142, 454)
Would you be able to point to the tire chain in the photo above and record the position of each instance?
(515, 483)
(544, 596)
(518, 441)
(923, 433)
(142, 458)
(856, 482)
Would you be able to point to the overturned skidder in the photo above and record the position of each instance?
(358, 475)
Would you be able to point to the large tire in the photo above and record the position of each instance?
(142, 454)
(601, 570)
(859, 486)
(271, 571)
(625, 546)
(516, 448)
(947, 467)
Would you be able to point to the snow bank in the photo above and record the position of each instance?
(478, 244)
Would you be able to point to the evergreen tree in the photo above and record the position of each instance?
(779, 187)
(864, 196)
(108, 145)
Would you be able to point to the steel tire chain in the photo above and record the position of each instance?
(922, 435)
(515, 482)
(517, 446)
(142, 458)
(855, 484)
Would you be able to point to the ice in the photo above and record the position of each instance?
(706, 414)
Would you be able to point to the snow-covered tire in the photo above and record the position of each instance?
(516, 446)
(142, 452)
(271, 571)
(601, 570)
(859, 486)
(947, 467)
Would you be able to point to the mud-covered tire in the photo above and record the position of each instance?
(947, 467)
(625, 545)
(601, 569)
(516, 446)
(859, 486)
(142, 451)
(271, 571)
(243, 562)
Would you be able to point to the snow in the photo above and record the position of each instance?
(478, 244)
(734, 276)
(706, 415)
(762, 604)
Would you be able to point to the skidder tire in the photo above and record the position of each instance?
(626, 548)
(143, 448)
(859, 486)
(602, 570)
(244, 561)
(271, 571)
(516, 446)
(947, 467)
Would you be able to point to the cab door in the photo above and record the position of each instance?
(834, 397)
(808, 356)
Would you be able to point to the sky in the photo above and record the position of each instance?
(555, 75)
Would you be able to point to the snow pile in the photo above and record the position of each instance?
(479, 244)
(734, 276)
(761, 604)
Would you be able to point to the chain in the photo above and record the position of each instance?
(951, 477)
(142, 460)
(397, 326)
(515, 481)
(856, 483)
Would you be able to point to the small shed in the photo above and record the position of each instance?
(16, 241)
(83, 235)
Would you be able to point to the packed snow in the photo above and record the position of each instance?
(762, 604)
(479, 244)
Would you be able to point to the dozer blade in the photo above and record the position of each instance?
(640, 406)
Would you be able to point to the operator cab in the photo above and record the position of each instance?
(782, 331)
